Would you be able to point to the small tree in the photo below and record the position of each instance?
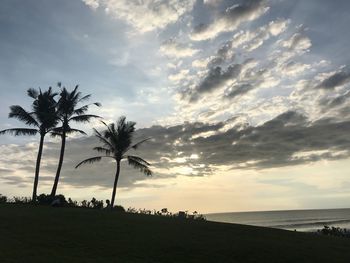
(117, 141)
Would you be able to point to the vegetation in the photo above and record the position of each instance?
(43, 118)
(89, 235)
(334, 231)
(117, 142)
(61, 201)
(68, 111)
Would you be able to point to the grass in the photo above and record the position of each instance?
(44, 234)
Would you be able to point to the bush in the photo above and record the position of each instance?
(72, 203)
(334, 231)
(118, 208)
(3, 199)
(21, 200)
(58, 200)
(44, 199)
(96, 204)
(85, 204)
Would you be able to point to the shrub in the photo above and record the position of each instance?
(85, 204)
(334, 231)
(3, 199)
(96, 204)
(44, 199)
(21, 200)
(118, 208)
(58, 200)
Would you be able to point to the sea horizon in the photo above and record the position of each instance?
(300, 219)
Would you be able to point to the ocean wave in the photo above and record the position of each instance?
(311, 224)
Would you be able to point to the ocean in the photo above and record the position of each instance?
(299, 220)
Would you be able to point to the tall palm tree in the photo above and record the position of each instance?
(117, 141)
(68, 112)
(43, 118)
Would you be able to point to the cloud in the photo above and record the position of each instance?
(216, 78)
(237, 90)
(230, 19)
(145, 15)
(336, 80)
(171, 48)
(251, 40)
(335, 102)
(212, 2)
(288, 139)
(293, 68)
(182, 75)
(222, 55)
(239, 78)
(94, 4)
(196, 149)
(298, 42)
(234, 80)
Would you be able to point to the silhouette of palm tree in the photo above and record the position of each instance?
(117, 141)
(69, 112)
(43, 117)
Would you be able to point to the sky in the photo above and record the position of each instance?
(247, 102)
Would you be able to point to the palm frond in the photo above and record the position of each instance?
(81, 110)
(91, 160)
(136, 145)
(83, 118)
(21, 114)
(55, 134)
(138, 164)
(57, 129)
(138, 159)
(71, 130)
(20, 131)
(102, 149)
(33, 93)
(44, 108)
(104, 140)
(84, 98)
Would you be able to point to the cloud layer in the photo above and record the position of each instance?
(193, 149)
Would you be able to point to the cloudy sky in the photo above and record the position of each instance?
(247, 102)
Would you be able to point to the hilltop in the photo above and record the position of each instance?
(44, 234)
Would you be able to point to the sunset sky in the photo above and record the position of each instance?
(247, 102)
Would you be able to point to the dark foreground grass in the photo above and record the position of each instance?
(44, 234)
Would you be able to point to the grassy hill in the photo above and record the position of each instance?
(44, 234)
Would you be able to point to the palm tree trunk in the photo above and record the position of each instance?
(37, 168)
(115, 183)
(59, 167)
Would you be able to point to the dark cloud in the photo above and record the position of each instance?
(6, 171)
(335, 102)
(336, 80)
(237, 90)
(288, 139)
(223, 54)
(230, 19)
(15, 180)
(215, 78)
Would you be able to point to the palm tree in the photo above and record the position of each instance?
(43, 118)
(117, 141)
(68, 111)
